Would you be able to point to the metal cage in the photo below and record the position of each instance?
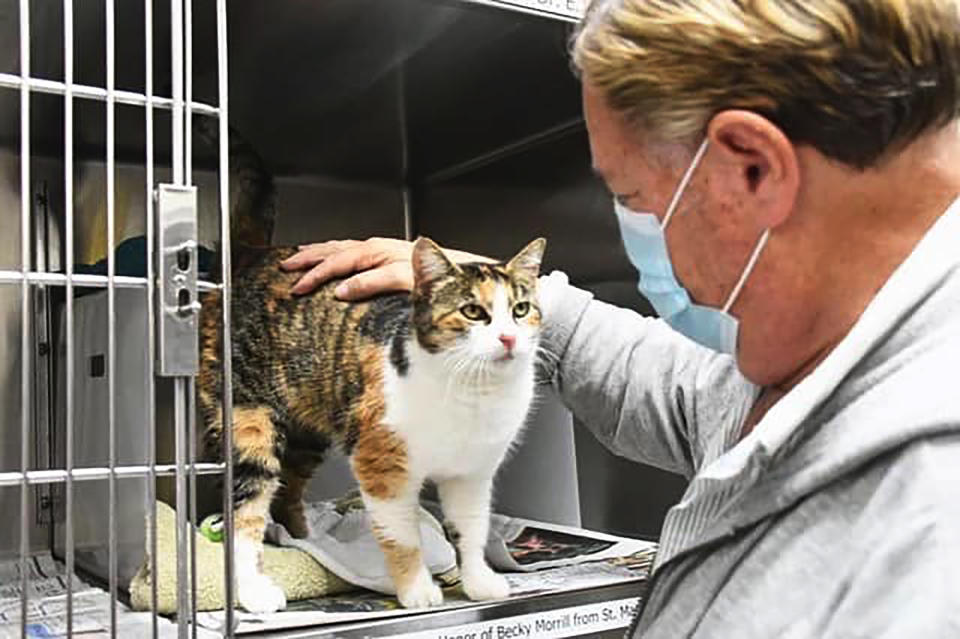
(104, 96)
(167, 289)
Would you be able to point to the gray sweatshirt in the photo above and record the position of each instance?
(839, 514)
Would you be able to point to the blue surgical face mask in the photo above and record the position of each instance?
(646, 246)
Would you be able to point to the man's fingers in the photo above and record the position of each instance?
(329, 247)
(311, 254)
(385, 279)
(300, 261)
(303, 259)
(308, 281)
(341, 264)
(335, 266)
(380, 265)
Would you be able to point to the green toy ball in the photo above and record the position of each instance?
(212, 528)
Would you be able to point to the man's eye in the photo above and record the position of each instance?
(624, 198)
(520, 309)
(474, 312)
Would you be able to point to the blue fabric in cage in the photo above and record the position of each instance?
(131, 260)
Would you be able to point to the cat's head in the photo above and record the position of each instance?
(486, 313)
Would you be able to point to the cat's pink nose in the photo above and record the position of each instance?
(508, 341)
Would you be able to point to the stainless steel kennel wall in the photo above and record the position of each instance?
(458, 120)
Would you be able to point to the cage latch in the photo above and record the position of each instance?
(177, 349)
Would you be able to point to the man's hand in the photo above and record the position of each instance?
(377, 265)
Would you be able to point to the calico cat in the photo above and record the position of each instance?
(434, 384)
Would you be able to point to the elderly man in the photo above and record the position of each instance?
(785, 176)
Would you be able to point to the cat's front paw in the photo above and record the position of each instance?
(420, 593)
(258, 593)
(482, 584)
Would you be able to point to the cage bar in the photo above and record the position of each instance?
(57, 475)
(192, 476)
(69, 541)
(191, 382)
(180, 383)
(111, 316)
(179, 412)
(131, 98)
(188, 90)
(58, 279)
(151, 493)
(176, 79)
(26, 400)
(226, 335)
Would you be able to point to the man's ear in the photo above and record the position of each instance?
(760, 163)
(430, 265)
(527, 261)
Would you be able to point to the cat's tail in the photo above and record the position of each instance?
(253, 209)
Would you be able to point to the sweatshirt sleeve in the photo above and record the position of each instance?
(646, 392)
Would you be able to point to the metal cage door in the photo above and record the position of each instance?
(54, 477)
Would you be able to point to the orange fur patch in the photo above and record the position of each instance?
(403, 562)
(380, 462)
(379, 457)
(485, 290)
(254, 436)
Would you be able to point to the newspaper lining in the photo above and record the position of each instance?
(621, 560)
(606, 560)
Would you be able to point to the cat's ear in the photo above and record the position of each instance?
(430, 264)
(527, 261)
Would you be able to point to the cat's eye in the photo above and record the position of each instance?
(474, 312)
(520, 309)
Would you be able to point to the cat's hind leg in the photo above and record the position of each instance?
(256, 477)
(466, 507)
(391, 496)
(287, 507)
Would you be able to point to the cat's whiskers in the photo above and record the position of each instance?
(460, 365)
(472, 374)
(457, 363)
(476, 376)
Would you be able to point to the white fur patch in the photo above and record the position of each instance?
(398, 519)
(460, 409)
(255, 591)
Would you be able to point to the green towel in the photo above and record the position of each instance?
(294, 570)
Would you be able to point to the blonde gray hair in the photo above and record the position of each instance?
(855, 79)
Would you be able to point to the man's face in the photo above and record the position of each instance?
(643, 175)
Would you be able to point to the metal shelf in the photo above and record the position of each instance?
(605, 609)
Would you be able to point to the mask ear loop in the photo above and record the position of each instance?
(746, 271)
(684, 181)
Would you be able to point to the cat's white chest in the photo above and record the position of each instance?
(456, 426)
